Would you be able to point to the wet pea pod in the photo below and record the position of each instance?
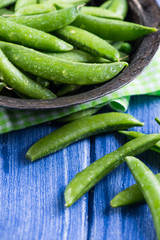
(58, 70)
(88, 42)
(133, 134)
(49, 22)
(82, 128)
(131, 195)
(77, 55)
(17, 33)
(6, 3)
(22, 3)
(120, 7)
(100, 12)
(112, 29)
(149, 186)
(23, 84)
(91, 175)
(36, 9)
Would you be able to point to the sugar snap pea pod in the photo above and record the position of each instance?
(58, 70)
(157, 120)
(65, 89)
(5, 11)
(88, 42)
(36, 9)
(21, 3)
(86, 179)
(112, 29)
(81, 114)
(77, 55)
(106, 4)
(6, 3)
(30, 37)
(43, 82)
(49, 22)
(131, 195)
(132, 135)
(149, 186)
(79, 129)
(100, 12)
(123, 47)
(73, 2)
(18, 81)
(119, 7)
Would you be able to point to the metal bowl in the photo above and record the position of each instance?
(144, 12)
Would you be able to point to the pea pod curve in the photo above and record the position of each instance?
(18, 81)
(49, 22)
(131, 195)
(59, 70)
(79, 129)
(88, 42)
(86, 179)
(149, 186)
(17, 33)
(112, 29)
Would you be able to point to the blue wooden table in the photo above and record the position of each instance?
(31, 195)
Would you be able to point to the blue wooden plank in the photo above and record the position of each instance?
(128, 222)
(31, 196)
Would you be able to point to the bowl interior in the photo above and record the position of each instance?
(144, 12)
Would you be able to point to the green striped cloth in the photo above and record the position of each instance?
(146, 83)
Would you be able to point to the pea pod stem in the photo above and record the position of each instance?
(49, 22)
(149, 186)
(88, 42)
(157, 120)
(80, 129)
(133, 134)
(131, 195)
(59, 70)
(90, 176)
(112, 29)
(17, 80)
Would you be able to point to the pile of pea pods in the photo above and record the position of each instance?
(53, 48)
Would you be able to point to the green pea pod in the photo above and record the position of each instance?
(100, 12)
(131, 195)
(77, 55)
(79, 129)
(58, 70)
(88, 42)
(5, 11)
(18, 81)
(36, 9)
(112, 29)
(2, 85)
(17, 33)
(6, 3)
(49, 22)
(21, 3)
(132, 135)
(120, 7)
(123, 47)
(106, 4)
(78, 115)
(43, 82)
(157, 120)
(65, 89)
(73, 2)
(86, 179)
(149, 186)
